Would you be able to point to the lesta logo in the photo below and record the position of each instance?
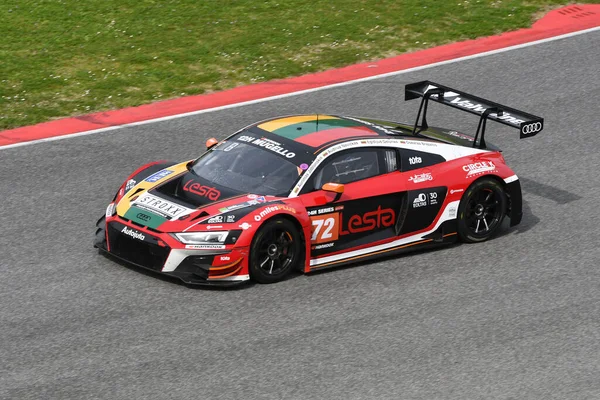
(328, 227)
(205, 191)
(380, 218)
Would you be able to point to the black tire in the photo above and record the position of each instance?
(481, 211)
(100, 235)
(275, 251)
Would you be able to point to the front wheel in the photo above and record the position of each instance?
(275, 251)
(481, 211)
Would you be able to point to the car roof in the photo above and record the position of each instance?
(316, 130)
(314, 133)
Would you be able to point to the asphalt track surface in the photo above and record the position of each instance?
(517, 317)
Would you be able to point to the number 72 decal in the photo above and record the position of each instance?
(325, 228)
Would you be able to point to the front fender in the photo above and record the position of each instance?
(140, 174)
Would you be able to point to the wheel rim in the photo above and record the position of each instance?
(276, 251)
(483, 212)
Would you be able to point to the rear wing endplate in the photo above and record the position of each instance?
(528, 124)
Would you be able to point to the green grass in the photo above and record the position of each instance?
(70, 57)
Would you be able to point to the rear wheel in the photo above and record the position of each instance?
(275, 251)
(481, 211)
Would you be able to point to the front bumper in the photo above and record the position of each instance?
(148, 249)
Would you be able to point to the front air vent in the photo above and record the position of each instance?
(201, 215)
(136, 192)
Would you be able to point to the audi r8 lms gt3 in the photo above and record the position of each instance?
(308, 192)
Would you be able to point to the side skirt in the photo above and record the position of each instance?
(444, 235)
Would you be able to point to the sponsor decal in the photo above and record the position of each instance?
(230, 218)
(418, 178)
(452, 191)
(478, 168)
(432, 198)
(534, 127)
(480, 109)
(459, 135)
(158, 175)
(161, 206)
(452, 212)
(265, 212)
(205, 191)
(304, 166)
(209, 227)
(268, 144)
(325, 228)
(215, 220)
(129, 185)
(252, 196)
(133, 233)
(245, 226)
(231, 146)
(224, 258)
(233, 207)
(380, 218)
(425, 199)
(372, 125)
(414, 160)
(420, 201)
(204, 246)
(473, 106)
(241, 205)
(323, 246)
(268, 210)
(323, 210)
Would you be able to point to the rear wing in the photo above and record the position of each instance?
(528, 124)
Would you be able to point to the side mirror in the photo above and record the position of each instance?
(211, 142)
(337, 188)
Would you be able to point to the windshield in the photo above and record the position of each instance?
(247, 169)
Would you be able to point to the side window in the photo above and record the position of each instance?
(348, 166)
(412, 159)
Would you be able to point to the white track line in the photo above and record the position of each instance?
(281, 96)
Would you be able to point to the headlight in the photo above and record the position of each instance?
(202, 237)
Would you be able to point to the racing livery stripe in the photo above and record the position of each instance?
(449, 213)
(280, 123)
(295, 131)
(319, 138)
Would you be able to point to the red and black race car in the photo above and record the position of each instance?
(309, 192)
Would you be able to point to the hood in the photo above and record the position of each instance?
(192, 190)
(179, 200)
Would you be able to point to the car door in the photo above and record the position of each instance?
(369, 208)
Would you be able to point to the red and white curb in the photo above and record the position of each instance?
(557, 24)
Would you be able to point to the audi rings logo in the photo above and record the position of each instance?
(143, 217)
(531, 128)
